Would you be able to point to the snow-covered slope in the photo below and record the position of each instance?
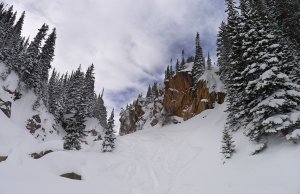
(182, 158)
(21, 108)
(14, 133)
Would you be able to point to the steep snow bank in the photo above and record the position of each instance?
(213, 81)
(21, 109)
(182, 158)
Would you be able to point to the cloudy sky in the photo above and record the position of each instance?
(130, 42)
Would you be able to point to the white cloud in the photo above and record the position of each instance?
(127, 40)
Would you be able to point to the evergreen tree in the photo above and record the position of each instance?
(108, 144)
(155, 90)
(177, 66)
(190, 59)
(228, 146)
(102, 117)
(97, 108)
(56, 97)
(46, 56)
(43, 65)
(208, 62)
(199, 63)
(236, 66)
(171, 72)
(167, 74)
(272, 98)
(223, 51)
(6, 29)
(52, 95)
(181, 66)
(30, 76)
(287, 15)
(89, 90)
(13, 44)
(74, 120)
(149, 92)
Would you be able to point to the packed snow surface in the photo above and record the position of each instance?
(176, 159)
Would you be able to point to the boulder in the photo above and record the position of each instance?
(71, 175)
(5, 107)
(41, 154)
(33, 124)
(3, 158)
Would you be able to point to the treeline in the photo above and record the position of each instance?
(259, 59)
(71, 98)
(198, 60)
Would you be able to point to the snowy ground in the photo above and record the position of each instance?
(182, 158)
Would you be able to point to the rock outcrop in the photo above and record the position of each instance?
(176, 98)
(131, 118)
(184, 100)
(41, 154)
(34, 124)
(5, 107)
(71, 175)
(15, 95)
(3, 158)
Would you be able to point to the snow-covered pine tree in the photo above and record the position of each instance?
(190, 59)
(29, 75)
(155, 90)
(223, 51)
(209, 63)
(6, 30)
(181, 65)
(74, 120)
(108, 144)
(228, 146)
(287, 15)
(149, 92)
(102, 111)
(236, 66)
(52, 88)
(13, 44)
(56, 91)
(97, 108)
(236, 82)
(271, 97)
(199, 63)
(17, 44)
(171, 72)
(177, 66)
(43, 65)
(282, 13)
(167, 74)
(46, 56)
(60, 100)
(89, 90)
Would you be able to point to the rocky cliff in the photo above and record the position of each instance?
(184, 100)
(177, 100)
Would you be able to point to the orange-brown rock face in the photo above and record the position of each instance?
(178, 98)
(181, 100)
(134, 115)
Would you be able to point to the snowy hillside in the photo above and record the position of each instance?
(25, 124)
(182, 158)
(22, 101)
